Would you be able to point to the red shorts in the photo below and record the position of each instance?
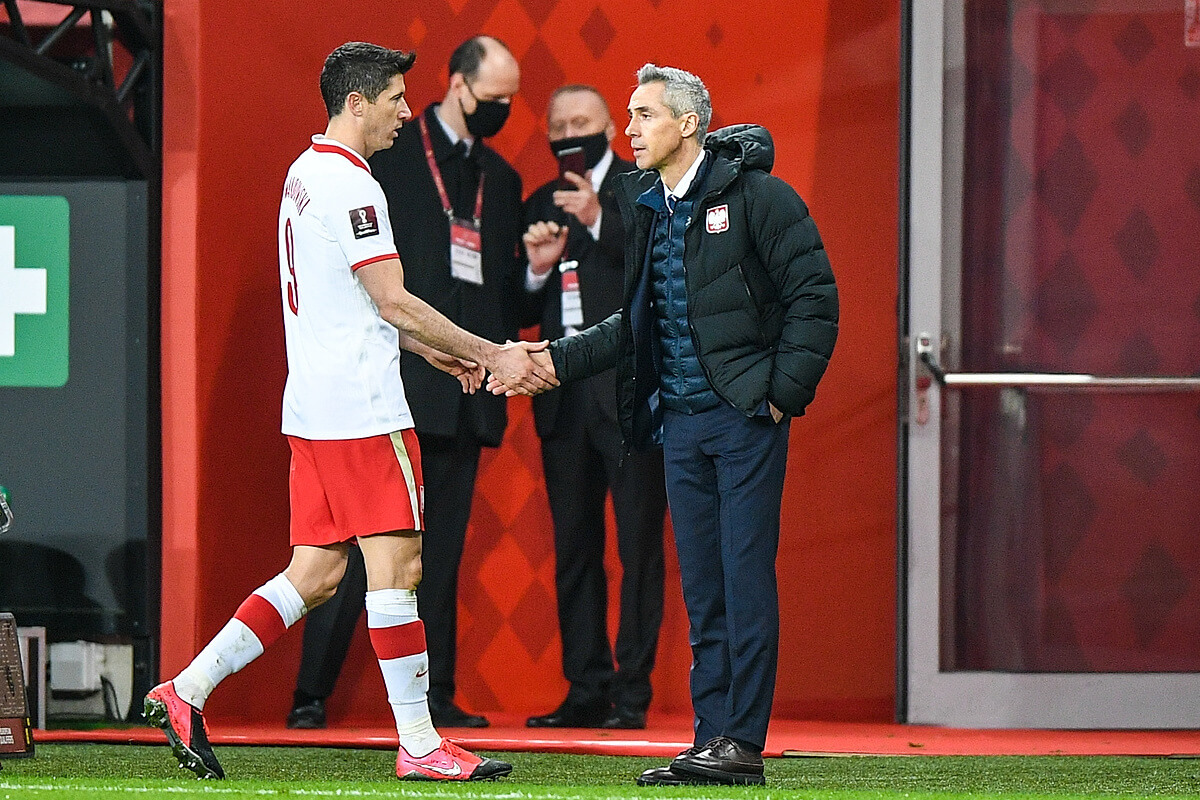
(345, 488)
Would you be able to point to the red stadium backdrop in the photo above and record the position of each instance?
(241, 101)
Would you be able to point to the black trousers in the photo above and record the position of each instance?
(448, 467)
(583, 462)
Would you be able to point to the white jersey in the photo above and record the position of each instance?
(343, 357)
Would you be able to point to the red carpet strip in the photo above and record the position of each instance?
(667, 736)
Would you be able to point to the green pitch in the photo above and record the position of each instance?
(104, 772)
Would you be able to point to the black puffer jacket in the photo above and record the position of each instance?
(762, 301)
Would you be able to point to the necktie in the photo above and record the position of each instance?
(468, 173)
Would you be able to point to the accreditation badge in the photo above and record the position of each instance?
(466, 251)
(572, 300)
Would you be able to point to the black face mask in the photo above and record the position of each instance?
(594, 145)
(488, 117)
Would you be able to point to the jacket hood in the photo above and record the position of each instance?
(747, 146)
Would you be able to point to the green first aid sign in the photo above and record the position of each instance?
(35, 249)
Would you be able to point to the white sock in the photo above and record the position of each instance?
(398, 637)
(259, 621)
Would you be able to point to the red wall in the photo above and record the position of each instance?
(241, 100)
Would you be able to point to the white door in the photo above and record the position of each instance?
(1050, 544)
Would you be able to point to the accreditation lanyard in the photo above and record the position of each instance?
(466, 238)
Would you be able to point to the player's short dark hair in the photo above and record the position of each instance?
(467, 57)
(360, 67)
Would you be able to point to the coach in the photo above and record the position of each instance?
(729, 320)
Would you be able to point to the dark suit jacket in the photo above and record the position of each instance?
(601, 271)
(422, 234)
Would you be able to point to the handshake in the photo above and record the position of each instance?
(526, 369)
(510, 369)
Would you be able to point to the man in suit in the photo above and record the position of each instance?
(455, 206)
(575, 283)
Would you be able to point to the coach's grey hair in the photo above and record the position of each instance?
(682, 92)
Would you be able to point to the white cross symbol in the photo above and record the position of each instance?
(22, 291)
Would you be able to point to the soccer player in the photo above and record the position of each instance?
(355, 468)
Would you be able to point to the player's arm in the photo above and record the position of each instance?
(418, 321)
(469, 374)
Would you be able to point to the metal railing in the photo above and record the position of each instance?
(1051, 380)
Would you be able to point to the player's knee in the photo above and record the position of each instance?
(326, 593)
(402, 574)
(322, 588)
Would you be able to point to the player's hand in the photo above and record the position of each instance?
(471, 377)
(545, 243)
(543, 361)
(522, 368)
(469, 374)
(582, 202)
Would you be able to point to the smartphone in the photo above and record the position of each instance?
(570, 160)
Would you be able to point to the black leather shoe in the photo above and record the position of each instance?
(663, 776)
(309, 716)
(625, 718)
(447, 715)
(573, 715)
(723, 760)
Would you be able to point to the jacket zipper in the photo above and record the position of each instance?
(691, 326)
(762, 340)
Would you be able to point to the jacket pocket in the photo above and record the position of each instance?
(764, 307)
